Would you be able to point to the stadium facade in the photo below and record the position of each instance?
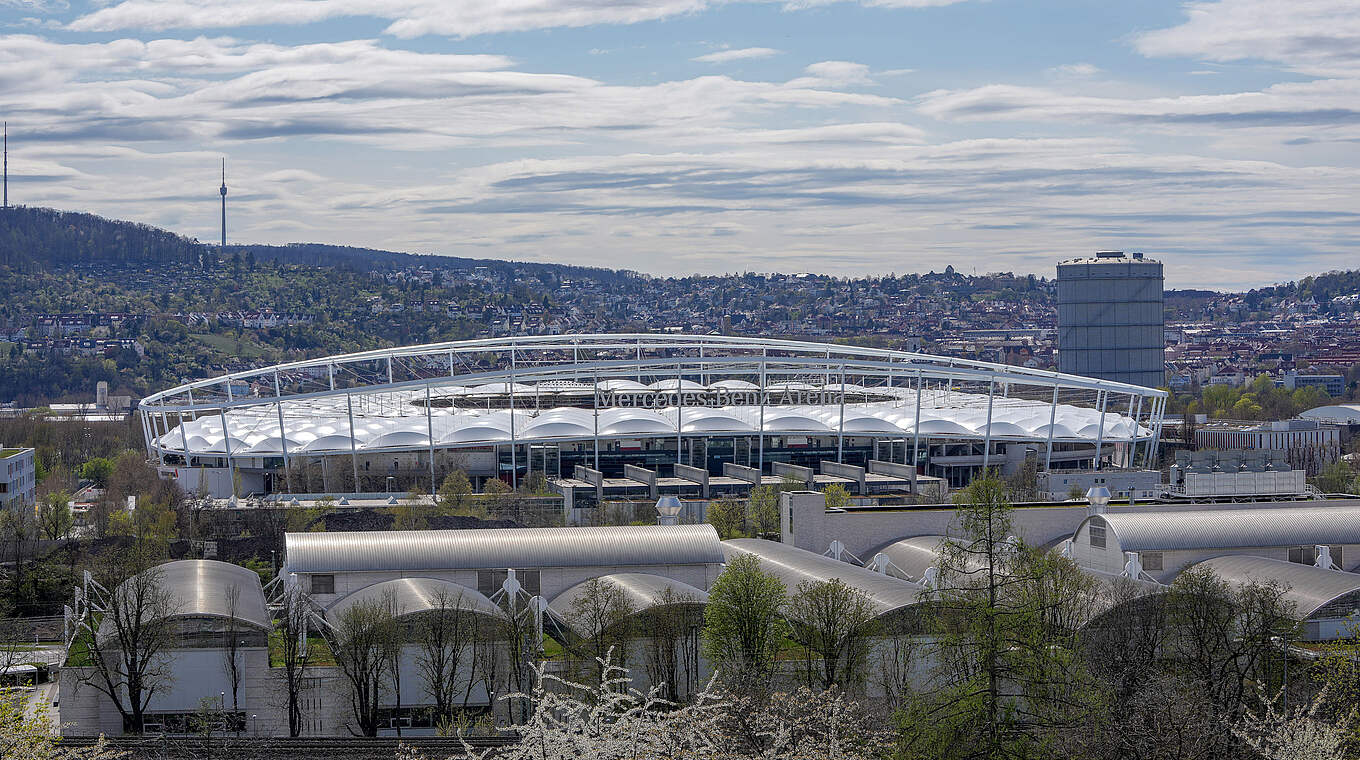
(401, 419)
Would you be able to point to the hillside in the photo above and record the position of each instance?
(40, 239)
(36, 239)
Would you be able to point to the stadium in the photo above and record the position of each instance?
(400, 420)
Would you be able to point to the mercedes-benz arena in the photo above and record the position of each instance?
(402, 419)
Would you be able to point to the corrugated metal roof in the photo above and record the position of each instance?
(1227, 528)
(913, 556)
(643, 590)
(415, 595)
(498, 548)
(199, 589)
(793, 566)
(1310, 588)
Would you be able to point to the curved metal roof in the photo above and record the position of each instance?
(793, 566)
(643, 590)
(412, 596)
(1226, 528)
(1310, 588)
(913, 556)
(499, 548)
(198, 588)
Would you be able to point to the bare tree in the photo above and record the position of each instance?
(1220, 636)
(294, 625)
(445, 634)
(515, 629)
(231, 644)
(834, 622)
(600, 614)
(127, 643)
(671, 642)
(361, 644)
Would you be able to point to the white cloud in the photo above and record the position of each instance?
(1321, 37)
(413, 18)
(739, 54)
(833, 74)
(1075, 70)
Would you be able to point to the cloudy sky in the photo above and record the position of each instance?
(679, 136)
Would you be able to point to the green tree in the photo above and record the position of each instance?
(1337, 477)
(837, 496)
(455, 493)
(409, 513)
(743, 626)
(98, 470)
(1005, 678)
(54, 515)
(764, 510)
(726, 517)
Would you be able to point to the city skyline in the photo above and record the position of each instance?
(683, 136)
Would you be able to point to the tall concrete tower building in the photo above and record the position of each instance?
(1110, 320)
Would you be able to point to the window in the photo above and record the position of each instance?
(1152, 561)
(1097, 534)
(323, 584)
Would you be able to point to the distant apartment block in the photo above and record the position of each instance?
(17, 478)
(1335, 385)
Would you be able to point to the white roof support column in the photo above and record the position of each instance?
(987, 438)
(1100, 434)
(679, 411)
(1133, 439)
(353, 444)
(1052, 420)
(760, 460)
(514, 465)
(283, 441)
(429, 427)
(916, 423)
(840, 431)
(595, 402)
(226, 448)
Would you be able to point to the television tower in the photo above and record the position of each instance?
(6, 164)
(223, 190)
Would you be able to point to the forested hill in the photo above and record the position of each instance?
(42, 239)
(34, 239)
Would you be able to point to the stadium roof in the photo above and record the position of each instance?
(1309, 588)
(322, 426)
(411, 596)
(1228, 528)
(520, 548)
(793, 566)
(460, 394)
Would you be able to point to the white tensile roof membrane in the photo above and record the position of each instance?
(396, 420)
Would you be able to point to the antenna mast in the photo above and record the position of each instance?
(6, 164)
(223, 190)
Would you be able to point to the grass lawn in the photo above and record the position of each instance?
(223, 344)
